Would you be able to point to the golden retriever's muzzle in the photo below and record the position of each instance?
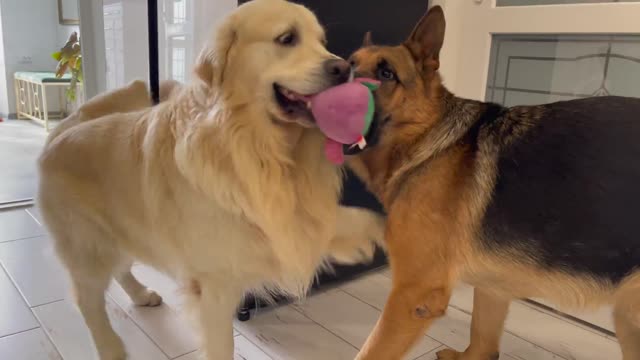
(332, 72)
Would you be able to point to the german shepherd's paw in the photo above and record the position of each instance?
(450, 354)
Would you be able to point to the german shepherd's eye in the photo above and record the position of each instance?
(287, 39)
(384, 73)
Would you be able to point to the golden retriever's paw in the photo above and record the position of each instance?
(113, 350)
(358, 231)
(148, 298)
(347, 253)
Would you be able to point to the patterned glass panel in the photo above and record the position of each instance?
(535, 69)
(554, 2)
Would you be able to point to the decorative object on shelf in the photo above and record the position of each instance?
(69, 59)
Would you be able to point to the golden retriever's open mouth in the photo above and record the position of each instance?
(293, 105)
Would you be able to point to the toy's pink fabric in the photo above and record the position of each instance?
(340, 111)
(333, 151)
(340, 114)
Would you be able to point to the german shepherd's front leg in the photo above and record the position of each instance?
(422, 281)
(409, 311)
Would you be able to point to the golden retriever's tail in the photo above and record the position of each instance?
(132, 97)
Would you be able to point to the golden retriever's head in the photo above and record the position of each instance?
(271, 55)
(409, 98)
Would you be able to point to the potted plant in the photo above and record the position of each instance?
(69, 59)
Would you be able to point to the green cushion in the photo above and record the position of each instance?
(41, 77)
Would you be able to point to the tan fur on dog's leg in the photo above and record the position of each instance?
(409, 311)
(626, 315)
(81, 248)
(487, 324)
(421, 289)
(217, 304)
(628, 331)
(90, 298)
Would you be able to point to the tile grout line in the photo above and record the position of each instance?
(322, 326)
(439, 348)
(249, 340)
(44, 329)
(565, 319)
(362, 301)
(33, 216)
(185, 354)
(47, 303)
(23, 238)
(19, 332)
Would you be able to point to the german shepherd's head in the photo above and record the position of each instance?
(410, 100)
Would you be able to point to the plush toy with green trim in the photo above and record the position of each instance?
(344, 114)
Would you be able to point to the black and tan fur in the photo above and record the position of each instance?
(529, 201)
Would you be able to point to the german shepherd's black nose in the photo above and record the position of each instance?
(338, 70)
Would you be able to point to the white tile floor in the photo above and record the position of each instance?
(38, 322)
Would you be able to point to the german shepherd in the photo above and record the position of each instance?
(528, 201)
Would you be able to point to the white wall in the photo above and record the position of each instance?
(4, 96)
(31, 32)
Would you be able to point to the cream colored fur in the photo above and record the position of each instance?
(213, 186)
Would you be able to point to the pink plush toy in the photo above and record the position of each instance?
(344, 114)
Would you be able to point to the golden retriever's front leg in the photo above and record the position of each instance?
(358, 230)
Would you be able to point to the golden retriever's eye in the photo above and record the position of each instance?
(287, 39)
(385, 74)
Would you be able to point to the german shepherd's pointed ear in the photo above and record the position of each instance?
(367, 39)
(426, 40)
(213, 59)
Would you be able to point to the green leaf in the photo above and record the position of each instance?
(57, 55)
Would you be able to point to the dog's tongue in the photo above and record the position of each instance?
(333, 151)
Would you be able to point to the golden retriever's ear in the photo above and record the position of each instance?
(212, 61)
(426, 40)
(367, 39)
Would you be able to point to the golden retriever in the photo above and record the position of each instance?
(224, 185)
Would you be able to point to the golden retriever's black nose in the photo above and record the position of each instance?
(338, 70)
